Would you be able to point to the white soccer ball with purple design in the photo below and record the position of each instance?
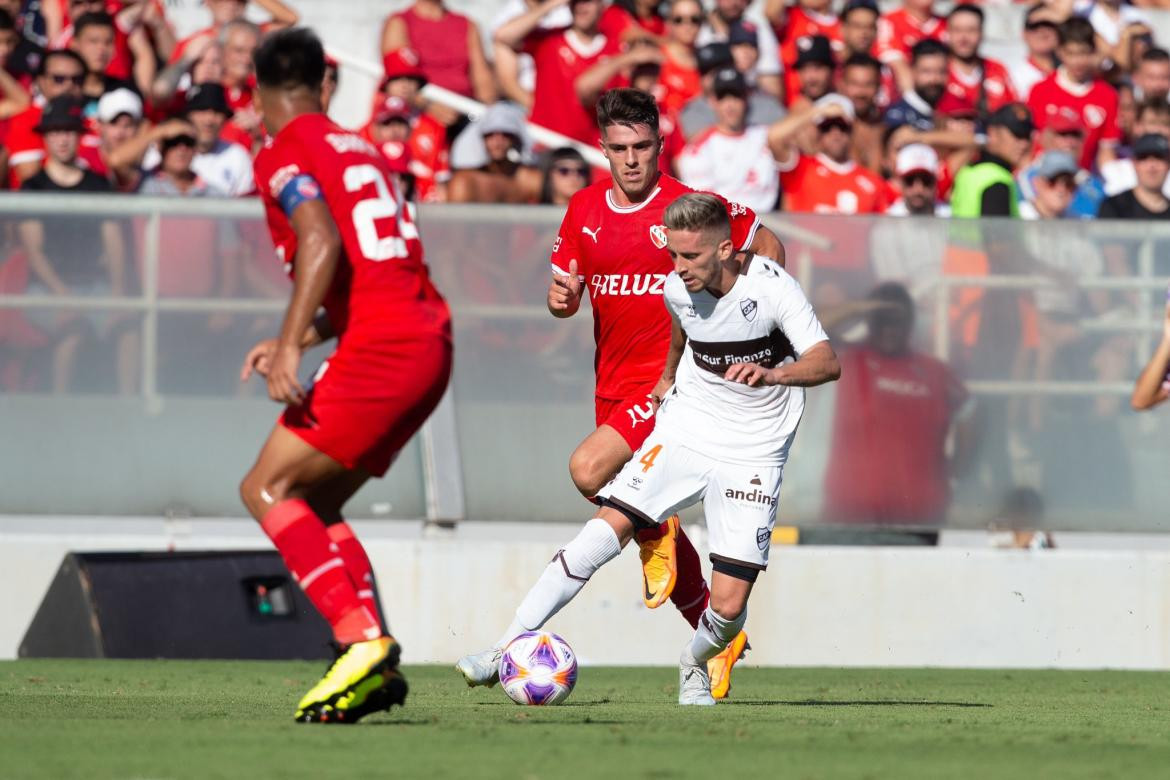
(538, 668)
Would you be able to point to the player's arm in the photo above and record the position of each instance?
(259, 357)
(590, 84)
(32, 237)
(782, 134)
(767, 244)
(1151, 387)
(513, 33)
(816, 365)
(678, 342)
(318, 252)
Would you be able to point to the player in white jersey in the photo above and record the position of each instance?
(745, 342)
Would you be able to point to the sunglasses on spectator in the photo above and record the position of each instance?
(1034, 26)
(571, 170)
(58, 78)
(686, 20)
(920, 179)
(179, 140)
(1064, 181)
(831, 124)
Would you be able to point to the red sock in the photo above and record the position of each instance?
(357, 563)
(300, 537)
(651, 534)
(690, 594)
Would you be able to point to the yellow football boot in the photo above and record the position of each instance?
(359, 662)
(659, 565)
(719, 667)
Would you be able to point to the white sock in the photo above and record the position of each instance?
(564, 577)
(714, 633)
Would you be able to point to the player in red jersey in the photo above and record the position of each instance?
(612, 243)
(341, 225)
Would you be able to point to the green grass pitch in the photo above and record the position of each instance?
(154, 720)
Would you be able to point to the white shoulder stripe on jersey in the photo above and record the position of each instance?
(751, 236)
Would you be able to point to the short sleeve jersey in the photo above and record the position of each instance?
(622, 260)
(1096, 104)
(898, 31)
(993, 84)
(765, 319)
(381, 277)
(560, 59)
(820, 185)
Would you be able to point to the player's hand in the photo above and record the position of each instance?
(660, 390)
(283, 385)
(173, 128)
(565, 291)
(258, 359)
(750, 374)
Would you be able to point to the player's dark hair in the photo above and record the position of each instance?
(95, 19)
(928, 47)
(627, 107)
(698, 212)
(863, 60)
(1076, 30)
(290, 58)
(67, 54)
(1154, 55)
(967, 8)
(1152, 105)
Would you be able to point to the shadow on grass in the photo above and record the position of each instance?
(856, 703)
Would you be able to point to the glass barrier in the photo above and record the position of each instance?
(986, 384)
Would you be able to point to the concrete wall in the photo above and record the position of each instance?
(451, 592)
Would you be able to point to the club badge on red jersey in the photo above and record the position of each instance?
(658, 236)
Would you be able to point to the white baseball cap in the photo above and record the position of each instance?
(117, 102)
(835, 99)
(916, 157)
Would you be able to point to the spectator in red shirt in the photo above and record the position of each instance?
(895, 410)
(142, 37)
(800, 22)
(201, 62)
(627, 20)
(225, 11)
(562, 57)
(449, 47)
(898, 32)
(61, 73)
(1076, 85)
(1040, 40)
(983, 81)
(679, 77)
(428, 137)
(239, 40)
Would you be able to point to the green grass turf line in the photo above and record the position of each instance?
(158, 720)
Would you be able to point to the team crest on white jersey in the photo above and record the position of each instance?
(658, 236)
(748, 307)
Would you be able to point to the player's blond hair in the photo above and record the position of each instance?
(698, 212)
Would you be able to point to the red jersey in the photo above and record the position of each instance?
(799, 26)
(381, 283)
(622, 260)
(898, 31)
(560, 59)
(887, 461)
(819, 185)
(615, 21)
(1094, 103)
(441, 46)
(677, 84)
(993, 85)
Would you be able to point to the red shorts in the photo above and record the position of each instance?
(370, 397)
(632, 416)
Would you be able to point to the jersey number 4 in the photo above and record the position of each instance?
(384, 204)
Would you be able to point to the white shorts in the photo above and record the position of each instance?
(739, 501)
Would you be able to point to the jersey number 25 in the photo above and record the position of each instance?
(382, 205)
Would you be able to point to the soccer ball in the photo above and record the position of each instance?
(538, 667)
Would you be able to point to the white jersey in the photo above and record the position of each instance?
(738, 167)
(766, 319)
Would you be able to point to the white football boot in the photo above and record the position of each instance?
(481, 668)
(694, 686)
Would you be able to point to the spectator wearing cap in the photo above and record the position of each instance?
(987, 187)
(1065, 134)
(799, 22)
(830, 181)
(860, 81)
(61, 73)
(225, 165)
(1151, 76)
(86, 258)
(815, 66)
(516, 71)
(1076, 85)
(1040, 41)
(226, 11)
(1147, 200)
(929, 62)
(916, 171)
(900, 30)
(492, 160)
(429, 162)
(561, 57)
(1051, 186)
(119, 116)
(697, 115)
(732, 158)
(399, 133)
(1153, 116)
(449, 47)
(727, 15)
(981, 80)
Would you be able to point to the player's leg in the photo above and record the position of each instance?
(327, 500)
(719, 625)
(274, 492)
(598, 542)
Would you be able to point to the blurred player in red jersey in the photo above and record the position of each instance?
(342, 226)
(612, 242)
